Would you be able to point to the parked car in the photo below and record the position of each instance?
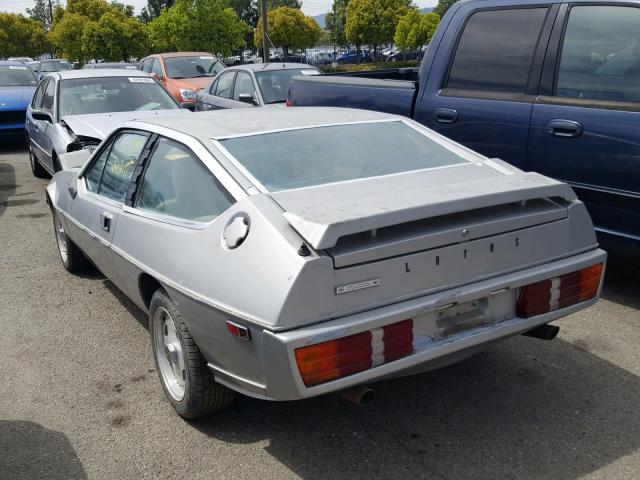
(253, 85)
(406, 56)
(278, 258)
(553, 88)
(35, 66)
(247, 57)
(53, 65)
(351, 56)
(20, 59)
(112, 65)
(291, 58)
(65, 103)
(17, 84)
(321, 58)
(183, 73)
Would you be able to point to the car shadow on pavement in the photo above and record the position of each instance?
(29, 451)
(524, 409)
(7, 185)
(622, 278)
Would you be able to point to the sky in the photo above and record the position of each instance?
(310, 7)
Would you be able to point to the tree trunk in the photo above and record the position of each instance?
(358, 54)
(285, 51)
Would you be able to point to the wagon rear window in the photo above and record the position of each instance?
(315, 156)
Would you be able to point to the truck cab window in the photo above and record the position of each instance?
(495, 50)
(600, 57)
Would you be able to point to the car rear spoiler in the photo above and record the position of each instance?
(321, 215)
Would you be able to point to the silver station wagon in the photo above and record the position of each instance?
(290, 253)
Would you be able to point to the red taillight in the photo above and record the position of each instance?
(559, 292)
(348, 355)
(289, 102)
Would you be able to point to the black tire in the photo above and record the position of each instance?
(37, 169)
(202, 395)
(72, 258)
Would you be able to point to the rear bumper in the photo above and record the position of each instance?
(282, 381)
(12, 128)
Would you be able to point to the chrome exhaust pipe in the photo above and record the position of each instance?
(359, 395)
(543, 332)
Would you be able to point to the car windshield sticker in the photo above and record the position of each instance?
(141, 80)
(309, 72)
(16, 67)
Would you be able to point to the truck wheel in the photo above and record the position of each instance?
(185, 377)
(37, 169)
(70, 255)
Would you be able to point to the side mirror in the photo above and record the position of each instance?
(42, 115)
(247, 98)
(188, 106)
(155, 76)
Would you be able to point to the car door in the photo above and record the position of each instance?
(584, 125)
(163, 226)
(45, 128)
(483, 96)
(101, 194)
(220, 95)
(33, 126)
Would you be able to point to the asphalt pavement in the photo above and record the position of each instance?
(81, 399)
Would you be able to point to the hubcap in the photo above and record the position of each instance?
(61, 238)
(169, 353)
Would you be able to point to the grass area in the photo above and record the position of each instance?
(367, 67)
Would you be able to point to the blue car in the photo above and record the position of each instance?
(17, 84)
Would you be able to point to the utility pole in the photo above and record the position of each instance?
(265, 37)
(50, 14)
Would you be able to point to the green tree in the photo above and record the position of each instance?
(114, 37)
(206, 25)
(248, 12)
(374, 22)
(66, 35)
(273, 4)
(337, 22)
(289, 28)
(415, 30)
(93, 10)
(40, 12)
(153, 9)
(443, 6)
(21, 36)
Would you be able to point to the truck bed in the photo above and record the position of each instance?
(382, 95)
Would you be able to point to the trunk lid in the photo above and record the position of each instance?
(378, 218)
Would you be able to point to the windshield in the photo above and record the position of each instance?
(315, 156)
(55, 66)
(112, 94)
(193, 66)
(274, 84)
(16, 75)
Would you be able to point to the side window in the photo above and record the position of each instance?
(93, 175)
(156, 68)
(244, 84)
(495, 50)
(212, 90)
(47, 97)
(600, 57)
(36, 103)
(176, 183)
(224, 86)
(119, 166)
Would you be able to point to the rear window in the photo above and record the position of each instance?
(315, 156)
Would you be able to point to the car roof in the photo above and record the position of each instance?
(12, 63)
(258, 67)
(181, 54)
(55, 60)
(223, 123)
(97, 72)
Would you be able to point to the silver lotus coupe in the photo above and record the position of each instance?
(290, 253)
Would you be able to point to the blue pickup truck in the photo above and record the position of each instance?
(549, 86)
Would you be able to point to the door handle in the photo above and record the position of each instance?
(446, 115)
(105, 221)
(564, 128)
